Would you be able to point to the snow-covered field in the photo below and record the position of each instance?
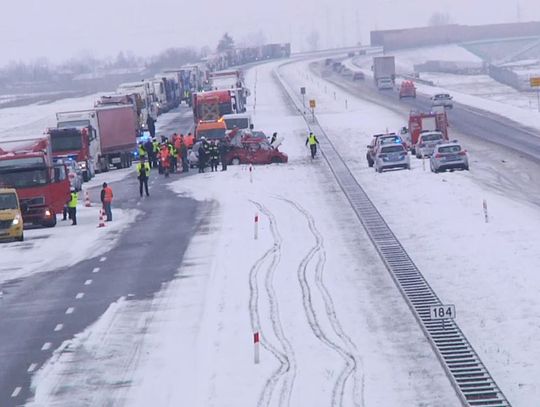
(334, 328)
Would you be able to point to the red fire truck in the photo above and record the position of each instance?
(427, 121)
(43, 187)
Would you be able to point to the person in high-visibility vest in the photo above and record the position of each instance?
(107, 197)
(72, 205)
(143, 172)
(312, 141)
(141, 151)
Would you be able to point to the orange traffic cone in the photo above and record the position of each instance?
(87, 199)
(101, 220)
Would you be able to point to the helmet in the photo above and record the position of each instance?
(72, 189)
(203, 138)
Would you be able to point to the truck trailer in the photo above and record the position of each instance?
(112, 131)
(384, 72)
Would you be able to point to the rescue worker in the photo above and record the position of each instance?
(274, 137)
(155, 145)
(143, 172)
(164, 159)
(190, 140)
(72, 205)
(312, 141)
(223, 149)
(214, 155)
(202, 155)
(107, 197)
(172, 156)
(141, 150)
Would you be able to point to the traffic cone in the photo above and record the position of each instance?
(87, 199)
(101, 220)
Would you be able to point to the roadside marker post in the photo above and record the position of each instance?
(442, 313)
(484, 205)
(534, 81)
(256, 230)
(101, 219)
(87, 199)
(256, 341)
(251, 173)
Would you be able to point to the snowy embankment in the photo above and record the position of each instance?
(334, 329)
(487, 269)
(477, 91)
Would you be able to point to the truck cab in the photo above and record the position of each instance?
(11, 220)
(211, 130)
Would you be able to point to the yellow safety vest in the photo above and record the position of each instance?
(73, 201)
(146, 168)
(312, 140)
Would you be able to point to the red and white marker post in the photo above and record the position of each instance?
(256, 343)
(251, 173)
(101, 219)
(256, 229)
(484, 205)
(87, 199)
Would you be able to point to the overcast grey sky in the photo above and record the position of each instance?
(59, 29)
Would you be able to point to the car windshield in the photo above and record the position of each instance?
(241, 123)
(449, 149)
(66, 142)
(392, 149)
(431, 137)
(442, 96)
(24, 178)
(8, 201)
(390, 140)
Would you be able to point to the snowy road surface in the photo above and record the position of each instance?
(334, 329)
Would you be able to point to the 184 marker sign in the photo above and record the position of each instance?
(438, 312)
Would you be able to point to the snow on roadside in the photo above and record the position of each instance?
(197, 348)
(488, 270)
(64, 245)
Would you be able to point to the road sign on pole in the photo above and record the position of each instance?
(312, 103)
(534, 81)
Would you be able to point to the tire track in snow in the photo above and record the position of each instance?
(285, 353)
(348, 351)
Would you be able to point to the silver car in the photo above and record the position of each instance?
(427, 141)
(449, 156)
(392, 156)
(442, 99)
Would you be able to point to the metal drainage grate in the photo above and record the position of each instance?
(468, 375)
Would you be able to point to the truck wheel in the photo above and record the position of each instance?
(235, 161)
(51, 223)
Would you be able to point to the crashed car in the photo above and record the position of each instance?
(248, 148)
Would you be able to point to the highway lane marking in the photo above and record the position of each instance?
(96, 270)
(32, 367)
(46, 346)
(79, 296)
(88, 282)
(58, 327)
(16, 392)
(70, 310)
(103, 259)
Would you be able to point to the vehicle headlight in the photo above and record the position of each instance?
(82, 165)
(47, 212)
(16, 220)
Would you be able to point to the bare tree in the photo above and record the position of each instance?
(225, 43)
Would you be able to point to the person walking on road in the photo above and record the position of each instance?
(312, 141)
(72, 206)
(106, 199)
(223, 149)
(143, 171)
(214, 155)
(203, 154)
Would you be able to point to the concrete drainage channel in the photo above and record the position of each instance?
(468, 375)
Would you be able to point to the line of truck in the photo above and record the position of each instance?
(105, 135)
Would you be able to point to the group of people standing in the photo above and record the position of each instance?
(210, 152)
